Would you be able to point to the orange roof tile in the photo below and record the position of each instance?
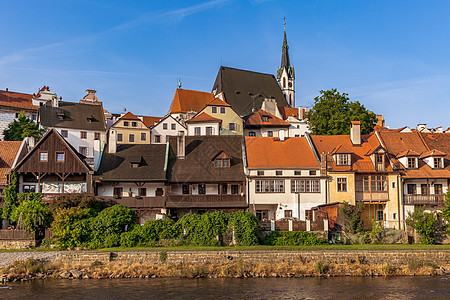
(8, 152)
(355, 122)
(433, 152)
(203, 117)
(150, 121)
(267, 152)
(129, 116)
(218, 102)
(257, 118)
(408, 152)
(188, 100)
(341, 149)
(287, 112)
(17, 100)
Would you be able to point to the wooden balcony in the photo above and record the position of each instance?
(372, 196)
(427, 199)
(205, 201)
(136, 203)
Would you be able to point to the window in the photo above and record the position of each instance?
(270, 133)
(224, 189)
(135, 165)
(117, 192)
(133, 124)
(393, 185)
(380, 215)
(262, 215)
(96, 136)
(394, 216)
(305, 186)
(232, 126)
(222, 163)
(252, 133)
(165, 126)
(269, 186)
(173, 126)
(379, 183)
(260, 173)
(196, 130)
(201, 189)
(222, 110)
(312, 173)
(185, 189)
(119, 137)
(64, 133)
(411, 189)
(209, 130)
(284, 82)
(83, 150)
(33, 117)
(342, 160)
(424, 189)
(157, 139)
(226, 162)
(60, 156)
(126, 123)
(142, 192)
(438, 189)
(131, 138)
(234, 189)
(143, 136)
(342, 184)
(29, 189)
(279, 172)
(411, 162)
(43, 156)
(437, 163)
(214, 110)
(17, 115)
(297, 172)
(288, 213)
(265, 118)
(83, 135)
(218, 163)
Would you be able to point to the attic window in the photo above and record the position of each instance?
(238, 93)
(60, 116)
(411, 162)
(222, 163)
(342, 160)
(265, 118)
(134, 165)
(437, 163)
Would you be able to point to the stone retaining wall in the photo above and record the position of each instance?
(399, 257)
(16, 244)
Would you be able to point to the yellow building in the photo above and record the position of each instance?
(130, 129)
(219, 109)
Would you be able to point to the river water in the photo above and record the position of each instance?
(250, 288)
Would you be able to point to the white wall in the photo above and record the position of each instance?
(203, 125)
(298, 128)
(7, 115)
(164, 133)
(264, 132)
(107, 190)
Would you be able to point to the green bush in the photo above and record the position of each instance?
(32, 214)
(71, 227)
(203, 229)
(245, 227)
(292, 238)
(22, 197)
(132, 238)
(424, 223)
(77, 200)
(10, 197)
(353, 222)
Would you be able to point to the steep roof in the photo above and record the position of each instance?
(151, 121)
(8, 153)
(433, 153)
(287, 112)
(188, 100)
(117, 166)
(360, 158)
(266, 152)
(245, 90)
(198, 164)
(74, 115)
(439, 141)
(218, 102)
(203, 117)
(129, 116)
(256, 120)
(17, 100)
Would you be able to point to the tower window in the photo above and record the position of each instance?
(284, 82)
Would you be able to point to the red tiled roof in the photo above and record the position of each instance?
(8, 152)
(433, 152)
(188, 100)
(203, 117)
(287, 112)
(129, 116)
(408, 152)
(17, 100)
(256, 119)
(341, 150)
(218, 102)
(150, 121)
(267, 152)
(355, 122)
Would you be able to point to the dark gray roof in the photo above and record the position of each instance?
(245, 90)
(117, 166)
(198, 164)
(74, 115)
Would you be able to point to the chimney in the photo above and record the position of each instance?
(355, 132)
(323, 164)
(421, 127)
(55, 102)
(281, 135)
(181, 145)
(300, 112)
(30, 141)
(112, 143)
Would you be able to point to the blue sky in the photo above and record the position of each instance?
(392, 56)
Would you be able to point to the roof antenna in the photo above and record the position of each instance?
(179, 83)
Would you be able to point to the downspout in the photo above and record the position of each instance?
(298, 196)
(399, 201)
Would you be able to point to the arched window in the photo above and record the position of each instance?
(284, 82)
(290, 100)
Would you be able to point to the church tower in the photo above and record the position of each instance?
(285, 73)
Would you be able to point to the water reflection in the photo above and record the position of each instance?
(252, 288)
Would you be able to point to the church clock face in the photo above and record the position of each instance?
(290, 84)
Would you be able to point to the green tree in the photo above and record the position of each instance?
(446, 210)
(10, 197)
(19, 129)
(424, 223)
(353, 221)
(333, 111)
(32, 214)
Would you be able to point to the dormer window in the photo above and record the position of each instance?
(265, 118)
(412, 162)
(438, 163)
(135, 165)
(343, 160)
(222, 163)
(214, 109)
(60, 116)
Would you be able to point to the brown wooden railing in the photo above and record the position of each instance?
(372, 196)
(15, 234)
(207, 201)
(428, 199)
(133, 202)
